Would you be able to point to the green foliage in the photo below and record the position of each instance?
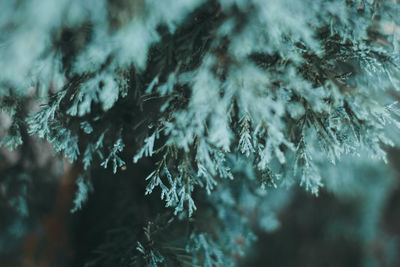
(84, 187)
(225, 100)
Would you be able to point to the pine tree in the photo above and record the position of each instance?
(189, 123)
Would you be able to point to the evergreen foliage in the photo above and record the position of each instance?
(222, 107)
